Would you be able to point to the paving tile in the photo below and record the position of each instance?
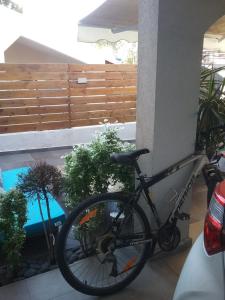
(156, 281)
(15, 291)
(42, 155)
(16, 157)
(54, 162)
(8, 166)
(195, 229)
(199, 201)
(15, 161)
(50, 154)
(60, 152)
(74, 295)
(47, 286)
(49, 159)
(175, 262)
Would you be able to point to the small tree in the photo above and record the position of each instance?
(41, 180)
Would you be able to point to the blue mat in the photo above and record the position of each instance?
(34, 224)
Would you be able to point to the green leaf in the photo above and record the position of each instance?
(211, 111)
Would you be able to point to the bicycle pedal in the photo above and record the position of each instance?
(182, 216)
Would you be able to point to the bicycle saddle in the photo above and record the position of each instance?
(127, 157)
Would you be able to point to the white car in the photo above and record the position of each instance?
(203, 274)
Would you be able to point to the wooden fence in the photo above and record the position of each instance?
(52, 96)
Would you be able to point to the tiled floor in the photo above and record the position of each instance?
(157, 281)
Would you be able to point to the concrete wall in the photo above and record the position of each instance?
(59, 138)
(170, 46)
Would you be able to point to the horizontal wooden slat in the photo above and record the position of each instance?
(106, 75)
(102, 91)
(64, 67)
(34, 67)
(103, 113)
(33, 102)
(26, 85)
(54, 125)
(57, 84)
(63, 117)
(33, 76)
(54, 117)
(98, 120)
(21, 105)
(65, 76)
(18, 128)
(33, 127)
(63, 93)
(11, 120)
(33, 94)
(106, 67)
(103, 83)
(33, 110)
(102, 99)
(18, 103)
(102, 106)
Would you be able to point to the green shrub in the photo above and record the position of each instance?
(12, 220)
(89, 170)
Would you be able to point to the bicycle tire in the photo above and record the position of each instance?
(63, 266)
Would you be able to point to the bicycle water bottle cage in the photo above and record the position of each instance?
(127, 158)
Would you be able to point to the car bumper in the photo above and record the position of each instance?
(202, 276)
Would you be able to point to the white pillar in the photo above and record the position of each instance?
(170, 48)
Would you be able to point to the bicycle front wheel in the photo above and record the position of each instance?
(103, 244)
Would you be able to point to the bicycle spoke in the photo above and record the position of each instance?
(100, 246)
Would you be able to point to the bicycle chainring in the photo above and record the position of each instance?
(169, 237)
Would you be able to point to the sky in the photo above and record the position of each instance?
(54, 23)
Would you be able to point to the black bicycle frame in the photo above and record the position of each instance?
(147, 182)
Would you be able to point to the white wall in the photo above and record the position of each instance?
(170, 47)
(59, 138)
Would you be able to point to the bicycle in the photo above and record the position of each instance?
(106, 240)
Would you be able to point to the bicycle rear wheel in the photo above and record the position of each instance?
(103, 244)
